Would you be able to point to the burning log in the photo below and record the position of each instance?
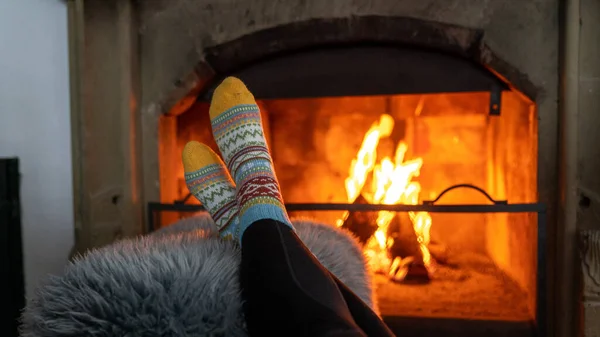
(362, 224)
(409, 270)
(408, 265)
(405, 238)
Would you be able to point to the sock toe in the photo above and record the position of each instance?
(197, 155)
(230, 93)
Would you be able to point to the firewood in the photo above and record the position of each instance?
(407, 249)
(405, 239)
(417, 273)
(409, 270)
(362, 224)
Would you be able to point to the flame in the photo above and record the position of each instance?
(364, 162)
(365, 159)
(391, 184)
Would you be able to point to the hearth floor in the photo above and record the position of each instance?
(471, 298)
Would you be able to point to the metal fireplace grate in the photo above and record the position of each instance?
(431, 206)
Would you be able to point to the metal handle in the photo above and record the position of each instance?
(473, 187)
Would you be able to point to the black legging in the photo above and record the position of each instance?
(287, 292)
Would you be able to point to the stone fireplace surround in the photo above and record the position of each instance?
(136, 60)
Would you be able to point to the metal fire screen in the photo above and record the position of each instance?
(431, 206)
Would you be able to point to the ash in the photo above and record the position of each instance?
(472, 287)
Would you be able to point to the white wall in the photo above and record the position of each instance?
(35, 126)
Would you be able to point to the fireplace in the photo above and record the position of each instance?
(471, 88)
(394, 122)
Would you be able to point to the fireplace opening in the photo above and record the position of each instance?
(395, 125)
(404, 149)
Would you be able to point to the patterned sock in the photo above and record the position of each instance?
(208, 180)
(237, 128)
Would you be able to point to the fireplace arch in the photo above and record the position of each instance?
(387, 55)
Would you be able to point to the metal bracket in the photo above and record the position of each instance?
(495, 99)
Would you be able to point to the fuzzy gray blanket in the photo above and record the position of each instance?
(179, 281)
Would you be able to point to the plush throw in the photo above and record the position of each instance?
(178, 281)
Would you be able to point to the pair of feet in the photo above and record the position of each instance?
(244, 189)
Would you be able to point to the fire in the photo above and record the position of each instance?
(365, 159)
(391, 184)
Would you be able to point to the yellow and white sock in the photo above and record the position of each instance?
(237, 128)
(209, 181)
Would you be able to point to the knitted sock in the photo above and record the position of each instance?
(237, 128)
(208, 180)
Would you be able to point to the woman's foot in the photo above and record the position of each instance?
(238, 131)
(208, 180)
